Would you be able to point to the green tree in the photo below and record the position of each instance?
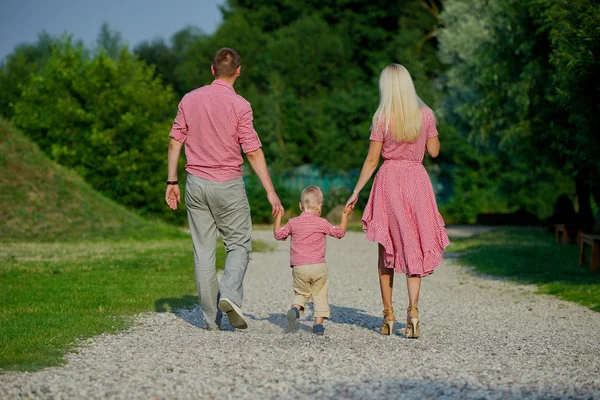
(106, 118)
(167, 59)
(366, 26)
(572, 31)
(502, 55)
(158, 54)
(110, 41)
(18, 67)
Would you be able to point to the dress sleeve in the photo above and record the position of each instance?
(247, 136)
(431, 127)
(377, 132)
(180, 128)
(283, 232)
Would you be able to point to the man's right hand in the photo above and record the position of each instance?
(275, 203)
(173, 196)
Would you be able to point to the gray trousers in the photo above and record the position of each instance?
(222, 207)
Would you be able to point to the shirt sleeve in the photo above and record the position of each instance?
(283, 232)
(180, 128)
(334, 231)
(247, 136)
(377, 132)
(431, 128)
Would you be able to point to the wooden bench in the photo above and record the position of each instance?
(562, 231)
(594, 242)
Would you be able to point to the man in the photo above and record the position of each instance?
(213, 122)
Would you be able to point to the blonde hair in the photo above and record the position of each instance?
(311, 197)
(399, 105)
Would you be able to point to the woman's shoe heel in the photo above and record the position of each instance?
(387, 328)
(413, 329)
(388, 322)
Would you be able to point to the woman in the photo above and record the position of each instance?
(401, 214)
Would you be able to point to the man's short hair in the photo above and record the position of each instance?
(311, 197)
(226, 61)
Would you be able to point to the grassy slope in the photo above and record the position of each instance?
(532, 256)
(42, 201)
(74, 264)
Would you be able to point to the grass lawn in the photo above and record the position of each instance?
(74, 264)
(531, 255)
(54, 293)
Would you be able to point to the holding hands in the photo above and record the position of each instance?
(275, 204)
(351, 203)
(278, 214)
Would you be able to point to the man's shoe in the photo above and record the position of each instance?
(292, 317)
(235, 315)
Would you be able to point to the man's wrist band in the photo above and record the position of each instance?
(172, 182)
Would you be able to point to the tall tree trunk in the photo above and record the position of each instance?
(582, 186)
(595, 189)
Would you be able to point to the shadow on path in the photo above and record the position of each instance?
(360, 318)
(339, 315)
(188, 309)
(280, 320)
(173, 304)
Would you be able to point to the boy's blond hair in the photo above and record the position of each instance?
(311, 198)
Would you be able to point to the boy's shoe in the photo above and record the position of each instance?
(319, 330)
(292, 317)
(235, 315)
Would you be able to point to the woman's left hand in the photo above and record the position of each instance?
(351, 201)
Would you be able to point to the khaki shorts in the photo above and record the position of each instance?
(312, 279)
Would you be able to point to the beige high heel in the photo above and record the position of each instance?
(413, 329)
(388, 322)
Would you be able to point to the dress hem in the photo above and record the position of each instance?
(431, 259)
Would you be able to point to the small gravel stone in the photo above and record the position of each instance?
(481, 338)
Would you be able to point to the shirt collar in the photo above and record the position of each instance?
(308, 213)
(223, 83)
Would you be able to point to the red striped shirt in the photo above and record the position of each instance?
(308, 233)
(214, 122)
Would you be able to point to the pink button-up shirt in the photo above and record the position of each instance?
(214, 122)
(309, 233)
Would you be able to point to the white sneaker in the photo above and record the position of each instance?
(235, 315)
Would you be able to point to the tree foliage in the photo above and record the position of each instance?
(18, 67)
(522, 76)
(106, 118)
(109, 41)
(572, 30)
(515, 84)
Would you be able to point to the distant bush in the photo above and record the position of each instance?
(260, 206)
(290, 198)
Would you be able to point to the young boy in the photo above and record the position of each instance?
(307, 256)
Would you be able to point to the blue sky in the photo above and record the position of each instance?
(137, 20)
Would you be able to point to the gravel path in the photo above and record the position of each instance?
(481, 338)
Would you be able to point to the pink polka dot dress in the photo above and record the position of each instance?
(402, 213)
